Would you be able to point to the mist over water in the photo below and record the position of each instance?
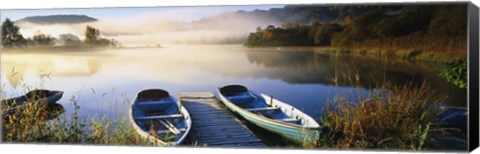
(160, 29)
(105, 81)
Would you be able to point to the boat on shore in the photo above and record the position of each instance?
(157, 117)
(38, 96)
(454, 117)
(271, 114)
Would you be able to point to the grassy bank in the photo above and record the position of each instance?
(398, 119)
(41, 123)
(392, 117)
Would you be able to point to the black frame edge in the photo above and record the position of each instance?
(473, 77)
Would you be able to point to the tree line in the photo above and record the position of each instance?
(432, 28)
(12, 38)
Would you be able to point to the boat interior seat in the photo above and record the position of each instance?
(241, 99)
(154, 105)
(262, 109)
(159, 117)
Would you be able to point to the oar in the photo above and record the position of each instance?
(171, 125)
(168, 127)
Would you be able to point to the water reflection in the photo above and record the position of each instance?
(307, 66)
(18, 66)
(103, 82)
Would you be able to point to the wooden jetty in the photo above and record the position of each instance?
(213, 125)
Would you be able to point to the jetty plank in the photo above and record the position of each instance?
(214, 125)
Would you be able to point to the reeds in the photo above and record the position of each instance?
(34, 123)
(37, 122)
(398, 119)
(388, 117)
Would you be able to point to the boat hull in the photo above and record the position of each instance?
(16, 102)
(155, 140)
(301, 135)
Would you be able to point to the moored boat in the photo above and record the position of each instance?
(157, 117)
(454, 117)
(35, 96)
(271, 114)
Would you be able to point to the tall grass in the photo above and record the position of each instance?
(37, 122)
(33, 123)
(398, 119)
(392, 116)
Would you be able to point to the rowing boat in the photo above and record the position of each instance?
(271, 114)
(38, 96)
(157, 117)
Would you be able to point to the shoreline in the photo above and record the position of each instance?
(54, 48)
(408, 55)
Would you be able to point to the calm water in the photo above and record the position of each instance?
(103, 81)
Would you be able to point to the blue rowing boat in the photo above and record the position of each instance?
(157, 117)
(454, 117)
(271, 114)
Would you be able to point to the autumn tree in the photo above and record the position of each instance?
(268, 32)
(92, 35)
(347, 20)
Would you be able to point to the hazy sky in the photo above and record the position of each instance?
(150, 25)
(177, 13)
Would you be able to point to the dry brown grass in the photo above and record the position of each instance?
(392, 117)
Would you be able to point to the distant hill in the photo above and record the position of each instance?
(304, 14)
(57, 19)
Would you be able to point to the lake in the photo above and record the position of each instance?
(104, 81)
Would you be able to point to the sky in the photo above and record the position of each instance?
(145, 26)
(177, 13)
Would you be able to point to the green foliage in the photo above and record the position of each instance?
(288, 35)
(11, 36)
(360, 29)
(456, 73)
(449, 20)
(429, 30)
(324, 34)
(411, 19)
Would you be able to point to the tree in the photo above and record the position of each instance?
(315, 23)
(449, 21)
(289, 25)
(41, 39)
(92, 36)
(360, 29)
(69, 40)
(347, 20)
(11, 36)
(325, 33)
(268, 32)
